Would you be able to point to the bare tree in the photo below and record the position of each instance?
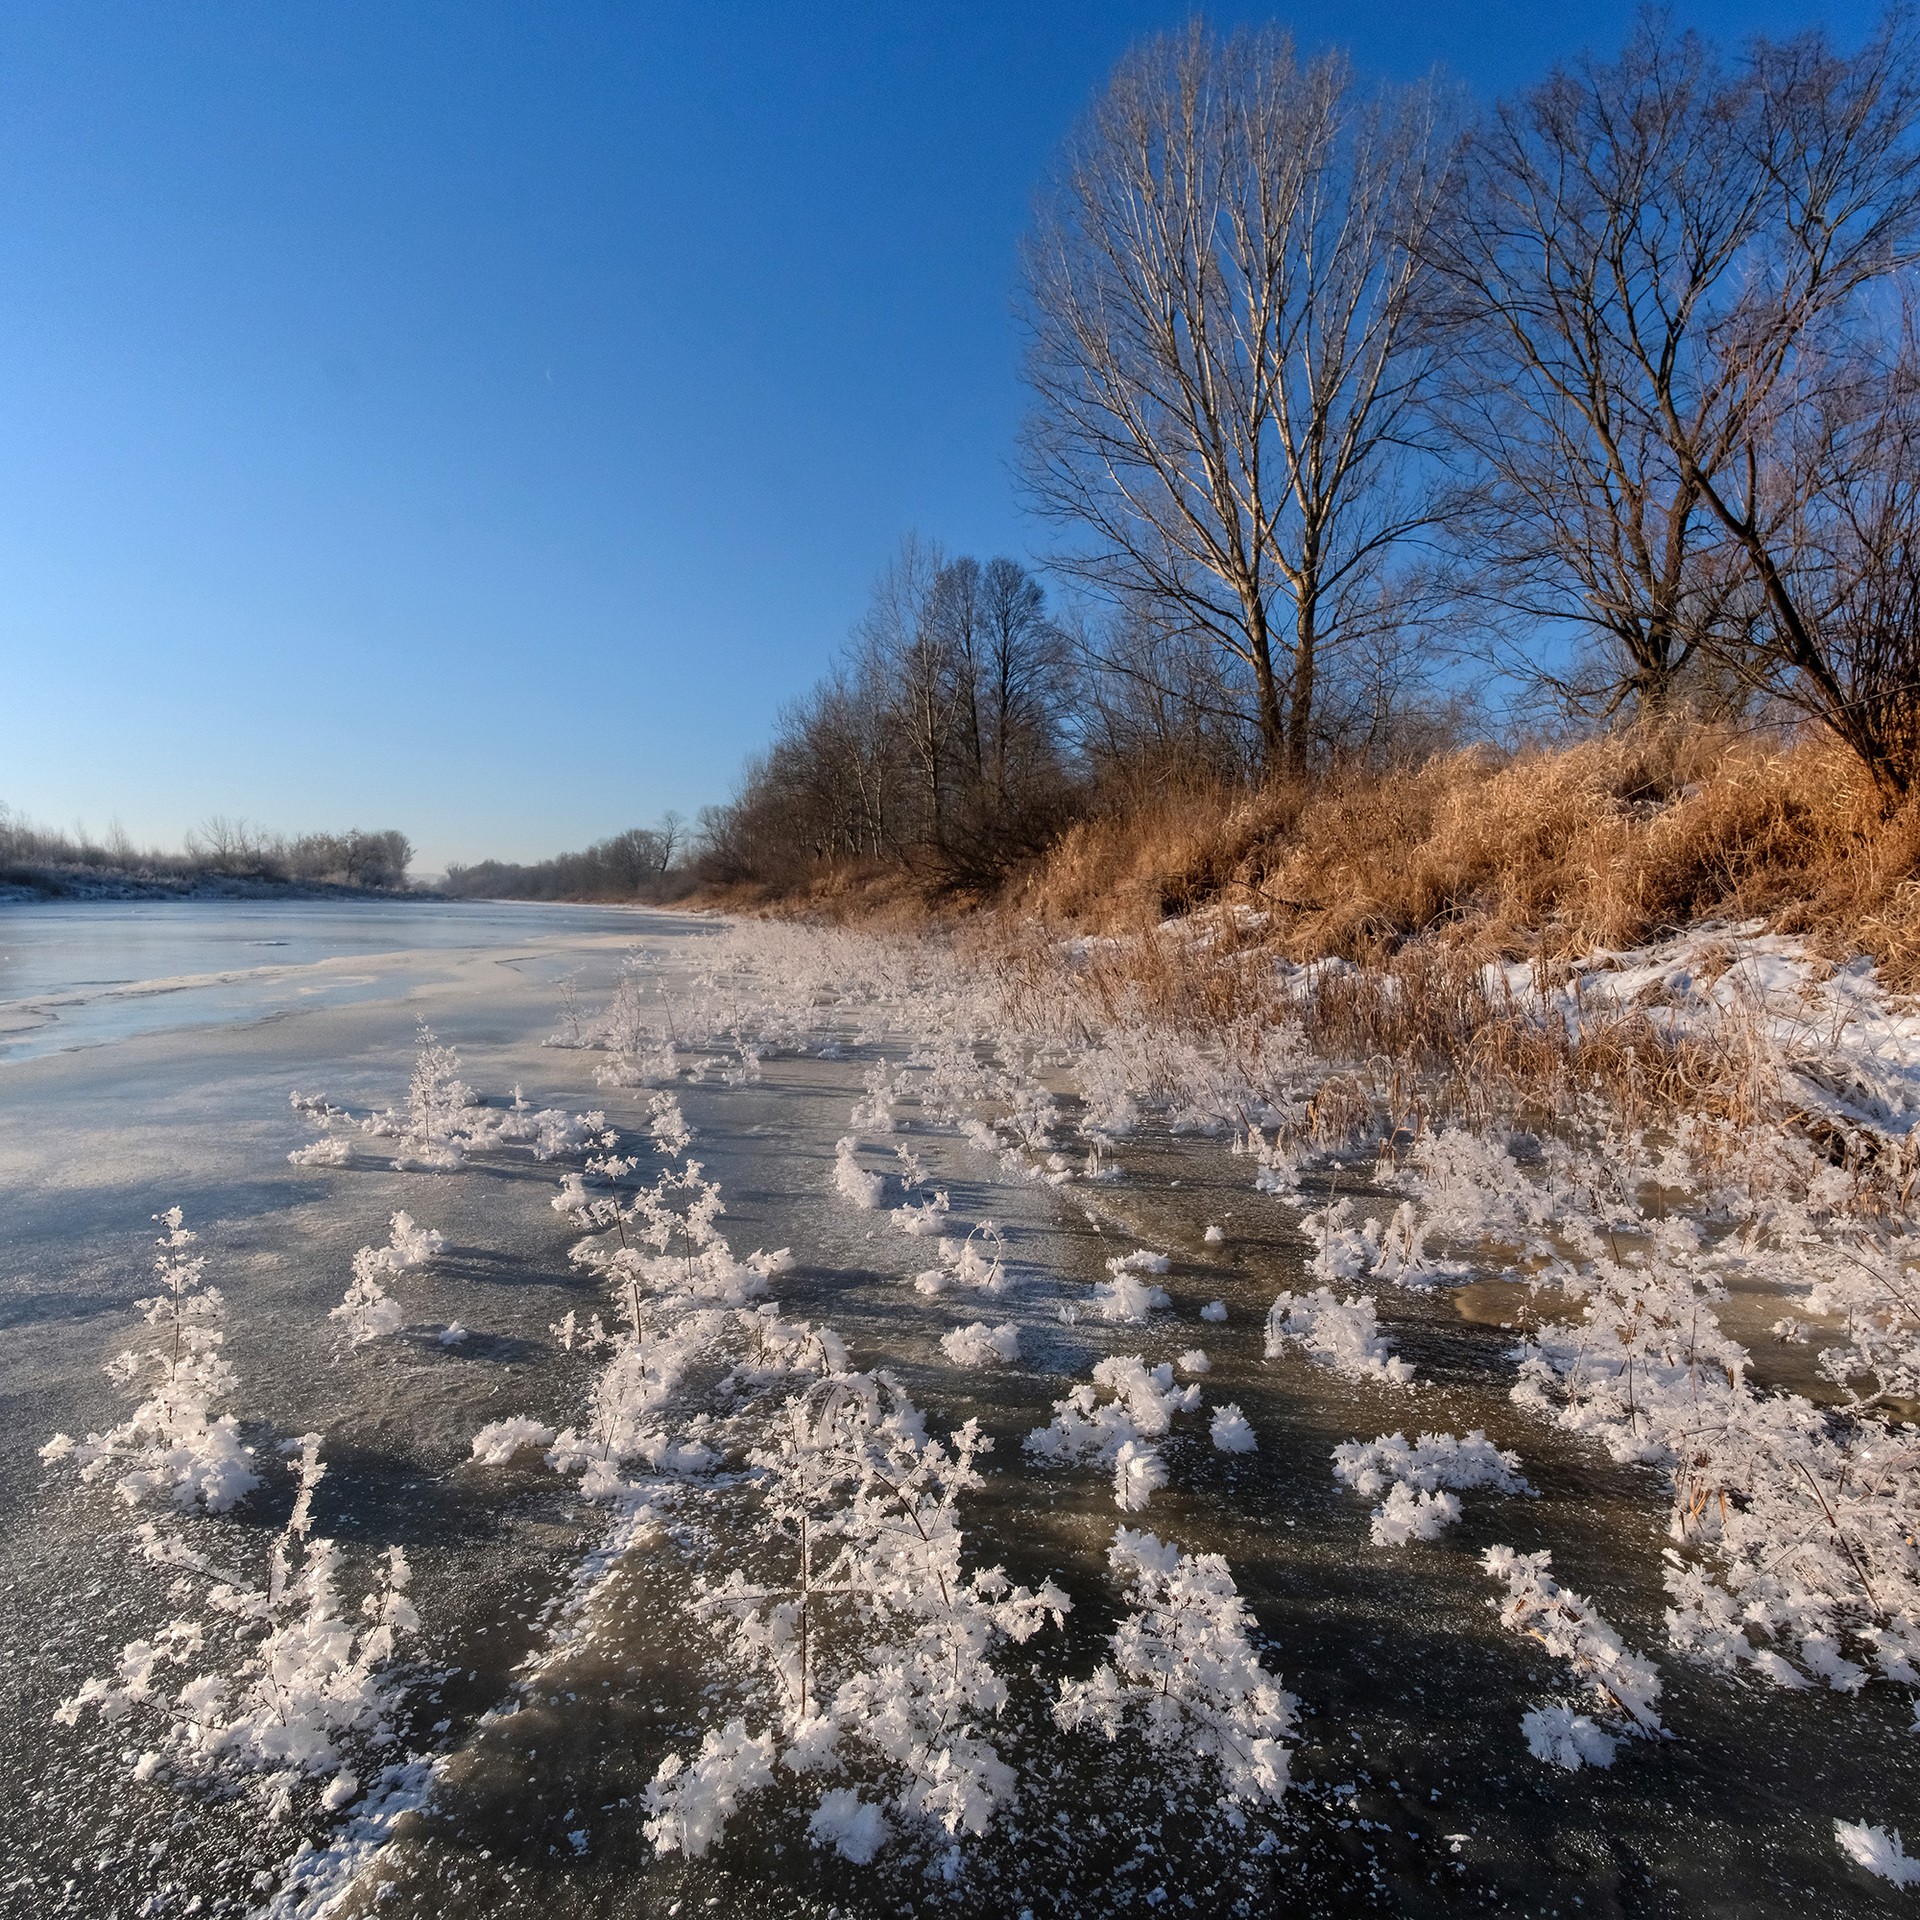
(670, 835)
(1646, 253)
(900, 647)
(1839, 493)
(1223, 286)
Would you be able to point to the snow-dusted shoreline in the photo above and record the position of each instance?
(1174, 1375)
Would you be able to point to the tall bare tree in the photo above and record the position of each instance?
(1646, 258)
(1223, 286)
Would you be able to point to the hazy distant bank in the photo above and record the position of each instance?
(24, 884)
(221, 860)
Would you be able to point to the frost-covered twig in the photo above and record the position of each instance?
(173, 1443)
(863, 1633)
(282, 1687)
(1624, 1686)
(1184, 1671)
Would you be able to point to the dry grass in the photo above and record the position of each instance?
(1416, 1037)
(1606, 843)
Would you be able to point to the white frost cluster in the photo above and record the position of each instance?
(1415, 1479)
(852, 1181)
(1624, 1686)
(979, 1345)
(1184, 1673)
(173, 1444)
(368, 1311)
(1126, 1297)
(1116, 1432)
(1341, 1334)
(979, 1263)
(1879, 1851)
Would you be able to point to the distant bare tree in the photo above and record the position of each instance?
(907, 661)
(670, 835)
(1223, 287)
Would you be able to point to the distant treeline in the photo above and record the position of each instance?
(221, 849)
(640, 864)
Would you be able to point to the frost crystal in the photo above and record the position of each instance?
(1878, 1851)
(1341, 1334)
(852, 1181)
(1184, 1671)
(979, 1345)
(173, 1444)
(1624, 1685)
(1113, 1433)
(1411, 1478)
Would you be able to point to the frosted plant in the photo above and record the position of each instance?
(689, 1804)
(1472, 1189)
(1214, 1235)
(1413, 1479)
(1139, 1472)
(368, 1311)
(675, 1290)
(1184, 1672)
(173, 1443)
(978, 1262)
(432, 1136)
(777, 1349)
(922, 1218)
(497, 1442)
(1648, 1354)
(1114, 1433)
(1194, 1361)
(639, 1047)
(1341, 1334)
(1793, 1525)
(283, 1687)
(1624, 1686)
(1879, 1851)
(864, 1635)
(1341, 1251)
(852, 1181)
(1231, 1431)
(1214, 1310)
(979, 1345)
(1126, 1297)
(874, 1114)
(1395, 1251)
(667, 1126)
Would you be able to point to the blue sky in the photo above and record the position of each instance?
(480, 419)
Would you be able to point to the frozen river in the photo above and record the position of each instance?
(81, 974)
(146, 1058)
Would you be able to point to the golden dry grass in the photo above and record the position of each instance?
(1605, 843)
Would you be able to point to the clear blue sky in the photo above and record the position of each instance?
(479, 419)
